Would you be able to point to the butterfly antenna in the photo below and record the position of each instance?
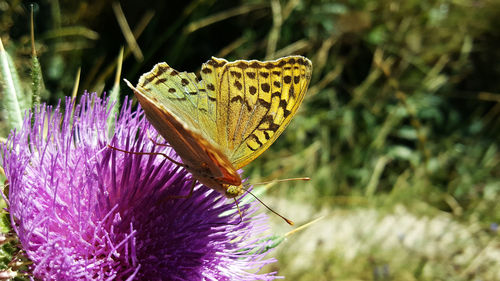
(149, 153)
(303, 226)
(282, 180)
(269, 208)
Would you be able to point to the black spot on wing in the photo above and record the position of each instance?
(252, 90)
(265, 104)
(238, 85)
(160, 81)
(265, 87)
(161, 69)
(257, 140)
(255, 65)
(147, 80)
(251, 148)
(240, 100)
(235, 74)
(242, 65)
(266, 135)
(283, 104)
(214, 63)
(276, 94)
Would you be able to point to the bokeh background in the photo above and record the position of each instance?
(399, 132)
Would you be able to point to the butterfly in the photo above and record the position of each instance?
(222, 122)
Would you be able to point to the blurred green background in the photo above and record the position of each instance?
(399, 131)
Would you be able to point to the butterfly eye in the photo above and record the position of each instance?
(233, 191)
(204, 165)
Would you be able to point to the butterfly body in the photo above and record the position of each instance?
(223, 122)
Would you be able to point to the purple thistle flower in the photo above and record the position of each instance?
(84, 211)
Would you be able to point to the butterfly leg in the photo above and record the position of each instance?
(239, 211)
(180, 196)
(155, 142)
(149, 153)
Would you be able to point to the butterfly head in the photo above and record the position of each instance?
(233, 191)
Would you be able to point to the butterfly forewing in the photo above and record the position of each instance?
(255, 102)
